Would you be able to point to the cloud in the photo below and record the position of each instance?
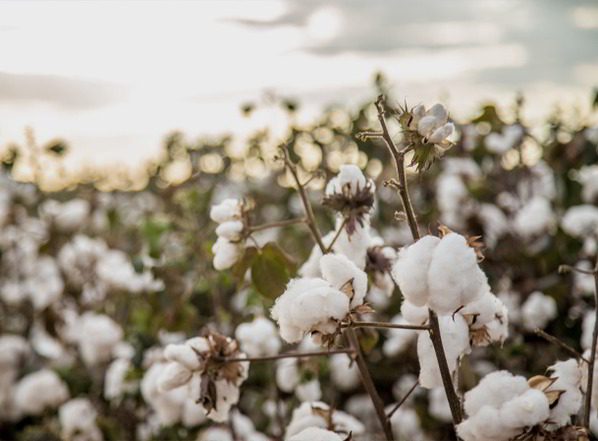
(57, 90)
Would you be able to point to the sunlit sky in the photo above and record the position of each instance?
(113, 78)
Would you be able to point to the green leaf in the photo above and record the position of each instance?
(271, 270)
(239, 269)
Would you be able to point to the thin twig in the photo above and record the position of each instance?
(311, 219)
(435, 335)
(368, 384)
(567, 268)
(385, 325)
(336, 236)
(286, 355)
(283, 223)
(400, 403)
(588, 403)
(556, 341)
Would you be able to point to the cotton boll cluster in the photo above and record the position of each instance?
(534, 218)
(537, 310)
(316, 306)
(344, 372)
(500, 143)
(398, 340)
(38, 391)
(455, 339)
(258, 338)
(433, 126)
(210, 382)
(67, 216)
(78, 421)
(581, 221)
(442, 274)
(96, 335)
(228, 249)
(501, 407)
(318, 414)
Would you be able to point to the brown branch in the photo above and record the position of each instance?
(285, 355)
(336, 236)
(385, 325)
(400, 403)
(368, 384)
(567, 268)
(588, 403)
(283, 223)
(435, 335)
(552, 339)
(311, 219)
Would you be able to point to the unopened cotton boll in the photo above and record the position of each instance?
(455, 339)
(258, 338)
(344, 372)
(39, 391)
(309, 305)
(227, 210)
(78, 421)
(581, 221)
(537, 310)
(315, 433)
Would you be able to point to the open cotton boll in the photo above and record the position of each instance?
(588, 176)
(410, 271)
(230, 230)
(414, 315)
(568, 376)
(78, 421)
(587, 329)
(534, 218)
(537, 310)
(581, 221)
(481, 311)
(354, 246)
(13, 349)
(438, 405)
(227, 210)
(405, 424)
(344, 372)
(311, 414)
(454, 277)
(226, 253)
(96, 335)
(495, 223)
(455, 338)
(494, 390)
(307, 305)
(258, 338)
(315, 433)
(339, 271)
(116, 383)
(398, 339)
(287, 374)
(526, 410)
(350, 177)
(309, 391)
(167, 405)
(39, 391)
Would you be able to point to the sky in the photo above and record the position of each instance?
(113, 78)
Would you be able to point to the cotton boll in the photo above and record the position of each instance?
(406, 425)
(230, 230)
(398, 339)
(182, 354)
(258, 338)
(568, 376)
(315, 433)
(494, 390)
(355, 246)
(167, 405)
(309, 414)
(587, 329)
(414, 315)
(454, 277)
(193, 413)
(309, 391)
(410, 271)
(226, 253)
(537, 310)
(588, 176)
(455, 338)
(13, 349)
(495, 223)
(96, 335)
(534, 218)
(215, 434)
(115, 379)
(39, 391)
(439, 406)
(350, 177)
(338, 270)
(481, 311)
(344, 372)
(287, 374)
(227, 210)
(498, 327)
(78, 421)
(526, 410)
(174, 375)
(581, 221)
